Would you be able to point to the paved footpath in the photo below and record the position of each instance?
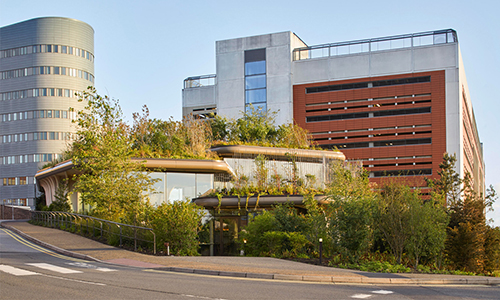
(255, 267)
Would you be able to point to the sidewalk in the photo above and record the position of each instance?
(252, 267)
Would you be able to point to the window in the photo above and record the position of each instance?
(255, 80)
(180, 186)
(22, 181)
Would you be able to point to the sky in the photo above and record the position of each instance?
(145, 49)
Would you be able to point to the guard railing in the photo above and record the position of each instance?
(113, 233)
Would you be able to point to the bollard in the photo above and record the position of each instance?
(320, 251)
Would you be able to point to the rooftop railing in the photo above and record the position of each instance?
(377, 44)
(198, 81)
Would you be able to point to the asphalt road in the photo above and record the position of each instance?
(28, 271)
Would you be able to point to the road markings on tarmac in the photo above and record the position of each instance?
(54, 268)
(21, 272)
(365, 296)
(89, 266)
(36, 247)
(16, 271)
(361, 296)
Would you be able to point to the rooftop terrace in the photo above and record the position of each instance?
(377, 44)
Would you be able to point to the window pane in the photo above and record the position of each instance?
(255, 67)
(255, 96)
(259, 107)
(158, 197)
(180, 186)
(204, 182)
(255, 82)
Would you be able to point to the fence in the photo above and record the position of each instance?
(115, 234)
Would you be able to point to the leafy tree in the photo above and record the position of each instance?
(351, 209)
(254, 232)
(393, 215)
(287, 218)
(427, 222)
(492, 249)
(110, 182)
(178, 224)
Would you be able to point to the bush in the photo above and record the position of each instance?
(178, 224)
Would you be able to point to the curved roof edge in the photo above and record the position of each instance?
(49, 17)
(231, 150)
(176, 165)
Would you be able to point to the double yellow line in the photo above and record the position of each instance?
(38, 248)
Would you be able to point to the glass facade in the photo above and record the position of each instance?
(179, 186)
(255, 80)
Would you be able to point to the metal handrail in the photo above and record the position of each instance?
(54, 219)
(198, 81)
(367, 45)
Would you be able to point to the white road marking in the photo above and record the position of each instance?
(89, 266)
(54, 268)
(361, 296)
(20, 272)
(383, 292)
(16, 271)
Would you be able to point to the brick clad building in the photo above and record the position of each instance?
(396, 104)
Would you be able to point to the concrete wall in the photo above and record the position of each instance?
(389, 62)
(231, 77)
(198, 98)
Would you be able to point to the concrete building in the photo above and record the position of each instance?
(43, 63)
(395, 103)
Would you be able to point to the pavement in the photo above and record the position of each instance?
(77, 246)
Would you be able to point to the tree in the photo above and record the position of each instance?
(470, 243)
(178, 224)
(465, 244)
(427, 222)
(61, 203)
(114, 185)
(448, 187)
(393, 214)
(351, 209)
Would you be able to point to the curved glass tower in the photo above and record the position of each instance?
(43, 63)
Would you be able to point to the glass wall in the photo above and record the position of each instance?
(179, 186)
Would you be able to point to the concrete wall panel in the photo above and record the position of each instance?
(390, 62)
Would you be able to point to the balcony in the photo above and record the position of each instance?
(199, 81)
